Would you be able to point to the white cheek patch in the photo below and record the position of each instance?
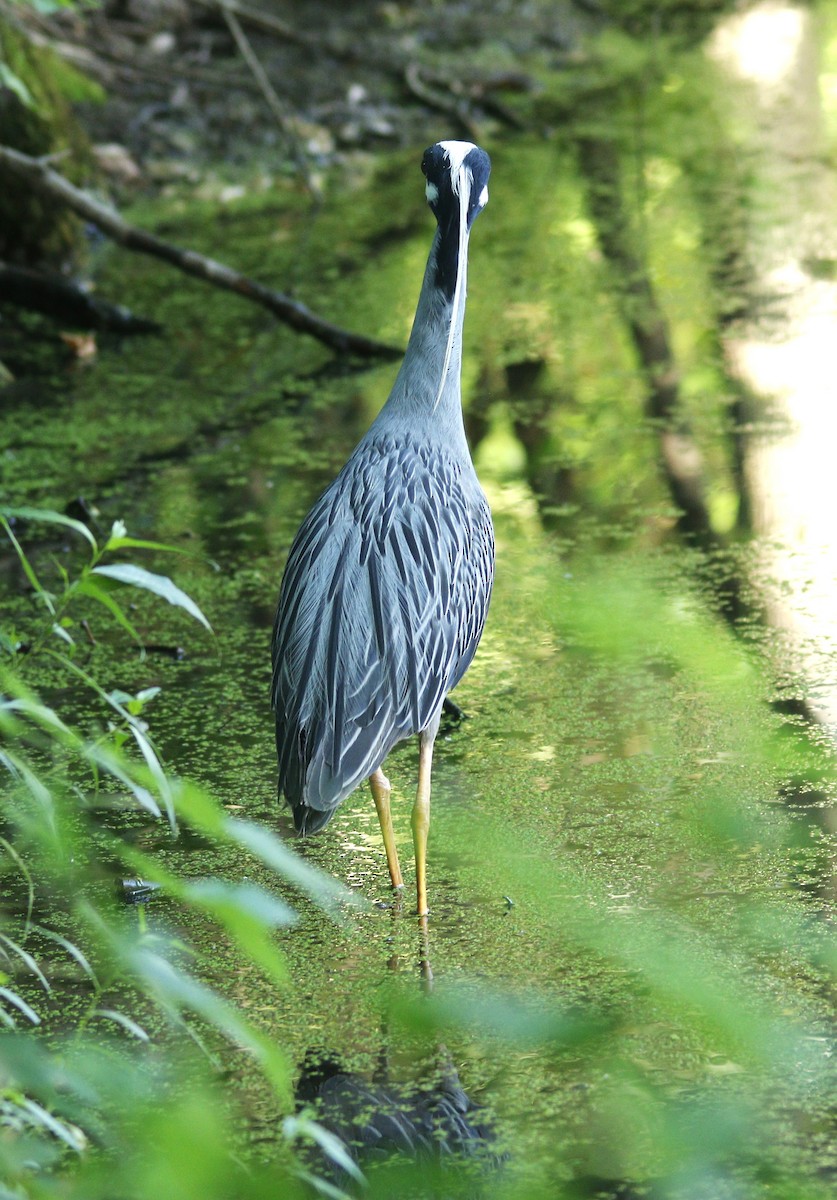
(483, 200)
(431, 192)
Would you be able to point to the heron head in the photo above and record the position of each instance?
(457, 181)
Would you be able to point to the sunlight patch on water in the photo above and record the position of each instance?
(762, 44)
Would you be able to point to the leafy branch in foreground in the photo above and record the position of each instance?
(66, 1098)
(96, 580)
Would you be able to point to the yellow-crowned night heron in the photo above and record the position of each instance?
(388, 580)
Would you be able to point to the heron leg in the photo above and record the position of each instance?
(381, 792)
(421, 813)
(424, 957)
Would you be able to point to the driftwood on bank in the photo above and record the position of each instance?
(268, 23)
(40, 176)
(277, 107)
(458, 98)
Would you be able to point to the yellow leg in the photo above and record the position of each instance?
(421, 814)
(381, 792)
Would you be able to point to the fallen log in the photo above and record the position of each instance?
(40, 175)
(60, 298)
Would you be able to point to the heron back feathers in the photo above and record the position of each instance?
(382, 606)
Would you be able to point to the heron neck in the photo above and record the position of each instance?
(416, 395)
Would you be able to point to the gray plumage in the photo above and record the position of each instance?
(388, 581)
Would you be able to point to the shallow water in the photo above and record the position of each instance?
(611, 798)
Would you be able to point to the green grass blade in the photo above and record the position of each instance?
(110, 1014)
(20, 1004)
(28, 569)
(26, 958)
(71, 948)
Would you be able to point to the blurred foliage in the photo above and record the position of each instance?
(702, 1052)
(86, 1087)
(686, 24)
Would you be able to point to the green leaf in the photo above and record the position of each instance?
(46, 717)
(116, 542)
(48, 7)
(249, 914)
(329, 1143)
(9, 643)
(71, 948)
(156, 769)
(264, 844)
(316, 1182)
(506, 1016)
(61, 633)
(27, 958)
(13, 998)
(108, 758)
(37, 789)
(218, 896)
(177, 990)
(89, 587)
(15, 84)
(201, 810)
(28, 569)
(112, 763)
(65, 1133)
(49, 517)
(110, 1014)
(160, 585)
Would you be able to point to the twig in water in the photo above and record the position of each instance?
(434, 98)
(278, 109)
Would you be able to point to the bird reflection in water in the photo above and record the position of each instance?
(428, 1122)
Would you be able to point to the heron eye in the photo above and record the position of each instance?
(424, 165)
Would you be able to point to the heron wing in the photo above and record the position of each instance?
(382, 606)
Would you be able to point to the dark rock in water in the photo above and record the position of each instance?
(137, 891)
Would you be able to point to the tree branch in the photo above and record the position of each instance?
(276, 106)
(41, 176)
(54, 296)
(267, 23)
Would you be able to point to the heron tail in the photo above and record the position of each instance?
(311, 820)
